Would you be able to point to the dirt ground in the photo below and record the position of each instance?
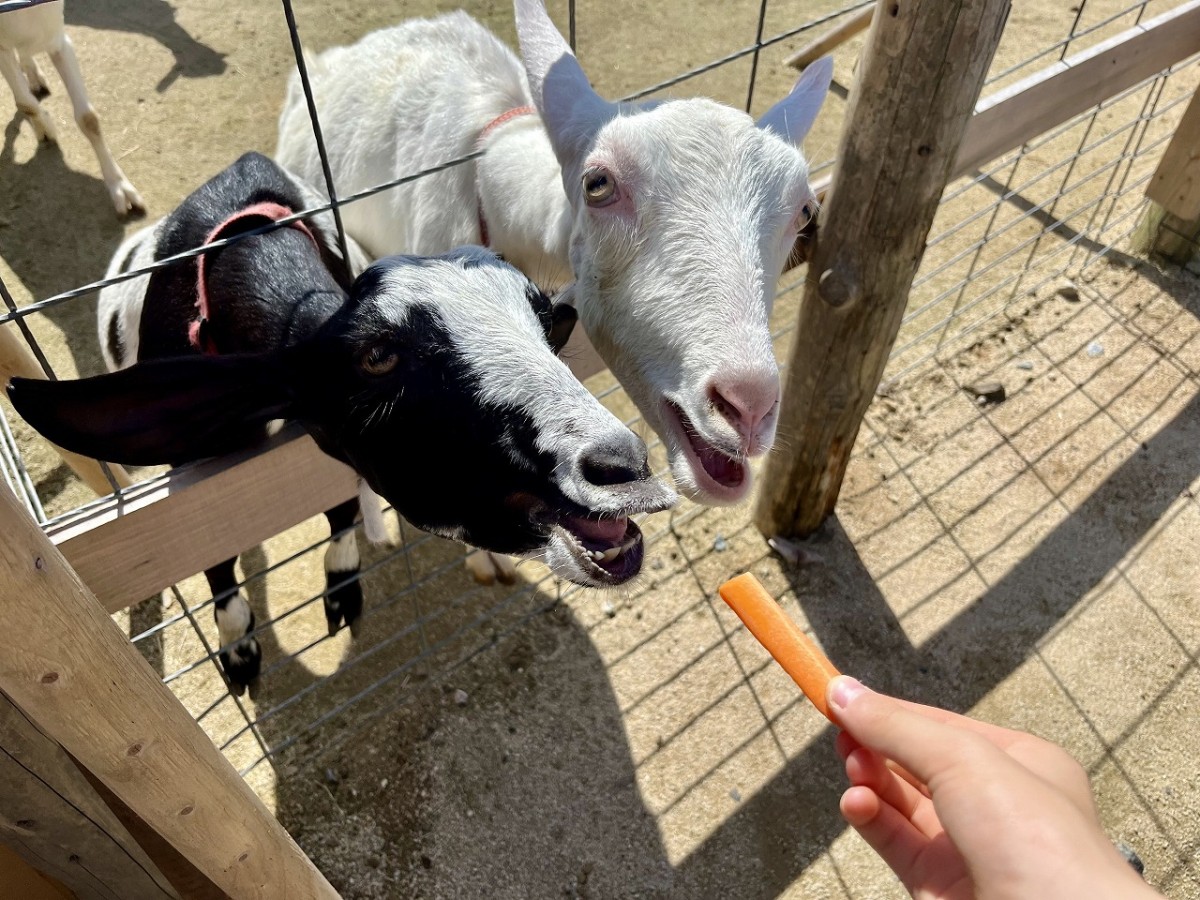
(1032, 562)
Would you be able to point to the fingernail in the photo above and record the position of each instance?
(843, 690)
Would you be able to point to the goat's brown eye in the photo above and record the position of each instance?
(804, 217)
(599, 186)
(378, 360)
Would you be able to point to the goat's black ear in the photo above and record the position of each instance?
(162, 411)
(562, 322)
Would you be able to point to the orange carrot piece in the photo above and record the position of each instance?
(791, 647)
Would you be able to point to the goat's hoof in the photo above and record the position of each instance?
(355, 628)
(126, 200)
(40, 91)
(506, 569)
(235, 688)
(488, 568)
(252, 688)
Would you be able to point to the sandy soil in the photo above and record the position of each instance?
(1033, 562)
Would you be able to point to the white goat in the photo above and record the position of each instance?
(674, 217)
(40, 29)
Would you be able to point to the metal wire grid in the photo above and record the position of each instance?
(433, 643)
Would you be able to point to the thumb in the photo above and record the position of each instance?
(921, 744)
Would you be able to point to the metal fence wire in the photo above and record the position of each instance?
(1058, 206)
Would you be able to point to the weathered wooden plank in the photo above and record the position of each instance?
(23, 880)
(54, 820)
(129, 547)
(1008, 118)
(1012, 116)
(72, 671)
(1176, 182)
(897, 151)
(16, 360)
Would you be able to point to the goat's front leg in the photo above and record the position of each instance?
(10, 68)
(488, 568)
(344, 597)
(34, 77)
(125, 198)
(240, 654)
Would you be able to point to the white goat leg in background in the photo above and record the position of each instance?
(10, 68)
(125, 197)
(488, 568)
(34, 76)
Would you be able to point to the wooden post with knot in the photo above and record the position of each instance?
(917, 85)
(97, 728)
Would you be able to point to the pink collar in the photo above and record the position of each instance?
(272, 212)
(514, 113)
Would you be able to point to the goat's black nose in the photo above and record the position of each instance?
(608, 464)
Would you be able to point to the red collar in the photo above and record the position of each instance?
(514, 113)
(198, 335)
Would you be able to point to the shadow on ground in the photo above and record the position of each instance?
(155, 19)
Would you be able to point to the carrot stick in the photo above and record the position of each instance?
(791, 647)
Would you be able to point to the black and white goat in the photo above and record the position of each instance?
(40, 29)
(436, 379)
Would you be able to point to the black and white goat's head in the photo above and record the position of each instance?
(437, 381)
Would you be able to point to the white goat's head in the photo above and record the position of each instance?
(685, 212)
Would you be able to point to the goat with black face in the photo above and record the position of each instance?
(435, 378)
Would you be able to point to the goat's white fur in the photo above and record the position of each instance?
(124, 299)
(675, 295)
(40, 29)
(489, 339)
(342, 555)
(371, 505)
(233, 620)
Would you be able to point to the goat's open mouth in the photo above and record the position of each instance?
(727, 472)
(609, 550)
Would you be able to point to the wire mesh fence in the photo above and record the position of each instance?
(1052, 208)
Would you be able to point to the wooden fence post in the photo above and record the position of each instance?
(921, 74)
(70, 669)
(53, 819)
(1171, 226)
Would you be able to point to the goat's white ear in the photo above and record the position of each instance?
(793, 116)
(571, 111)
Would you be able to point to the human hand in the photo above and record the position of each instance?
(962, 809)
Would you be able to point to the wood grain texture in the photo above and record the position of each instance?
(921, 75)
(22, 880)
(54, 820)
(1176, 182)
(72, 671)
(130, 547)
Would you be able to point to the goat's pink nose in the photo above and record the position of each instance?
(745, 402)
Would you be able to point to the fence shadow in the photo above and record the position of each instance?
(39, 197)
(956, 668)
